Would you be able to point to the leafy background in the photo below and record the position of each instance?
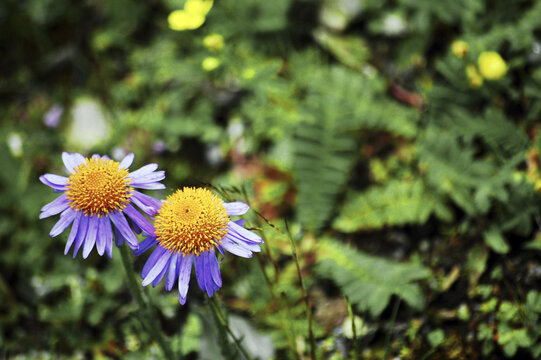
(405, 195)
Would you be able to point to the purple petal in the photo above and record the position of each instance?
(101, 239)
(215, 269)
(149, 186)
(200, 271)
(243, 244)
(171, 272)
(55, 207)
(151, 261)
(236, 208)
(240, 222)
(66, 218)
(139, 219)
(148, 204)
(234, 248)
(72, 161)
(74, 230)
(209, 283)
(119, 239)
(81, 234)
(244, 234)
(92, 232)
(149, 178)
(161, 275)
(145, 245)
(127, 161)
(147, 169)
(54, 181)
(184, 278)
(157, 268)
(122, 225)
(109, 238)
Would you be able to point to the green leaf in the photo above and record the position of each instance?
(494, 239)
(436, 337)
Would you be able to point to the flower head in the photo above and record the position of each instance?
(52, 117)
(491, 65)
(190, 226)
(475, 79)
(210, 63)
(214, 42)
(460, 48)
(96, 198)
(191, 17)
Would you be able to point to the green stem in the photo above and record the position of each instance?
(304, 295)
(388, 336)
(224, 323)
(353, 330)
(150, 320)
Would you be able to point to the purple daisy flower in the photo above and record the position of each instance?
(190, 226)
(97, 197)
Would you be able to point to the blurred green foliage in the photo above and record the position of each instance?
(402, 173)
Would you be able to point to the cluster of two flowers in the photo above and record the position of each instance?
(99, 199)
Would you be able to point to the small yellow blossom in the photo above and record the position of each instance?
(210, 63)
(180, 20)
(491, 65)
(460, 48)
(476, 80)
(248, 73)
(214, 42)
(200, 7)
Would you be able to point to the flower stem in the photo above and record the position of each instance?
(304, 295)
(150, 320)
(223, 321)
(391, 326)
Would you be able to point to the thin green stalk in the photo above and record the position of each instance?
(393, 319)
(305, 296)
(214, 306)
(353, 329)
(150, 320)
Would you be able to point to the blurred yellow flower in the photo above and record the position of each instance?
(180, 20)
(214, 42)
(460, 48)
(491, 65)
(476, 80)
(200, 7)
(248, 73)
(210, 63)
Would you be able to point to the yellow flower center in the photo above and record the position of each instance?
(98, 186)
(192, 221)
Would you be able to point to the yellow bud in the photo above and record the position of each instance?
(210, 63)
(475, 79)
(199, 7)
(180, 20)
(214, 42)
(460, 48)
(491, 65)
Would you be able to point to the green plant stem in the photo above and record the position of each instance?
(305, 296)
(353, 329)
(150, 320)
(214, 306)
(388, 336)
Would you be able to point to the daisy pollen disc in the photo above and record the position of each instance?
(98, 187)
(191, 221)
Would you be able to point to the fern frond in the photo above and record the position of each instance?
(396, 203)
(369, 281)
